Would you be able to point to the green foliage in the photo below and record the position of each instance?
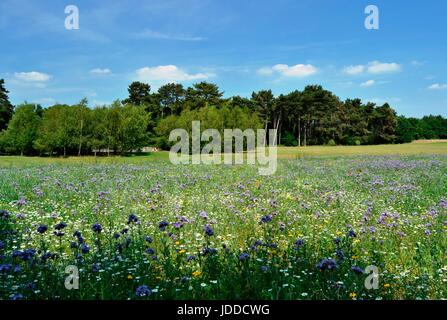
(313, 116)
(6, 108)
(288, 140)
(22, 130)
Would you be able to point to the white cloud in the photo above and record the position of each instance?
(169, 73)
(151, 34)
(368, 83)
(296, 71)
(99, 71)
(438, 86)
(376, 67)
(32, 76)
(354, 70)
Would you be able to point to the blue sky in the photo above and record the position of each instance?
(240, 45)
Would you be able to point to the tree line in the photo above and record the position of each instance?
(313, 116)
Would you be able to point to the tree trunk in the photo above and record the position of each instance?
(299, 132)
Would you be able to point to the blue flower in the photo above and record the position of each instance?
(143, 291)
(162, 225)
(203, 215)
(4, 268)
(77, 234)
(208, 230)
(178, 225)
(85, 249)
(149, 239)
(299, 243)
(150, 251)
(327, 264)
(351, 234)
(17, 296)
(132, 219)
(60, 226)
(42, 229)
(4, 214)
(244, 256)
(266, 219)
(190, 258)
(2, 245)
(357, 270)
(97, 228)
(264, 268)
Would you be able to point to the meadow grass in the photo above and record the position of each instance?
(142, 228)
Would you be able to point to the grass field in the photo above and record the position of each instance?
(142, 228)
(428, 147)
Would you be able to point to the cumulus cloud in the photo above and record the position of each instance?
(438, 86)
(354, 70)
(99, 71)
(296, 71)
(32, 76)
(368, 83)
(376, 67)
(169, 73)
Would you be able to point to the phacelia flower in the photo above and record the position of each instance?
(97, 228)
(42, 229)
(208, 230)
(143, 291)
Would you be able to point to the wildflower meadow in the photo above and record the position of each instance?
(153, 230)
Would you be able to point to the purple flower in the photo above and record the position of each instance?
(162, 225)
(143, 291)
(132, 219)
(42, 229)
(264, 268)
(97, 228)
(4, 268)
(351, 234)
(150, 251)
(357, 270)
(85, 249)
(149, 239)
(244, 256)
(203, 215)
(190, 258)
(427, 232)
(208, 230)
(17, 296)
(60, 226)
(4, 214)
(178, 225)
(266, 219)
(299, 243)
(327, 264)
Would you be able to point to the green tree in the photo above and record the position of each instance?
(133, 125)
(6, 108)
(139, 94)
(170, 97)
(203, 94)
(22, 130)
